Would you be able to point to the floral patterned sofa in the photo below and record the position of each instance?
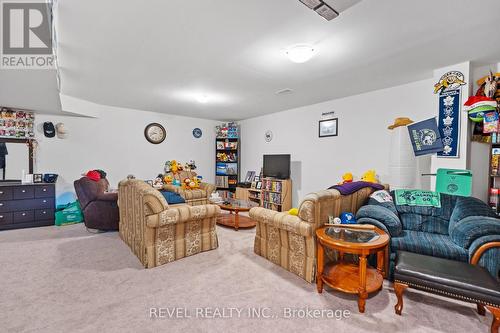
(158, 233)
(289, 240)
(193, 197)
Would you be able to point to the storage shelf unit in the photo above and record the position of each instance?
(227, 163)
(276, 194)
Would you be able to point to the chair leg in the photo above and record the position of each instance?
(496, 318)
(480, 309)
(399, 288)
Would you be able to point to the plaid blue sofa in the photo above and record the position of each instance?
(463, 229)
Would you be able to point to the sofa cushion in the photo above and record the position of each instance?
(428, 219)
(194, 194)
(436, 245)
(172, 197)
(468, 206)
(383, 215)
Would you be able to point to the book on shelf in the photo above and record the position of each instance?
(494, 198)
(495, 158)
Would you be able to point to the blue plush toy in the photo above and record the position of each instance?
(347, 218)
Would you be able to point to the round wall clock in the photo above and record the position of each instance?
(268, 136)
(155, 133)
(197, 133)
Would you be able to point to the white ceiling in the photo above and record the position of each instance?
(154, 55)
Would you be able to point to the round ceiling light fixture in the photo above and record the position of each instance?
(300, 53)
(202, 98)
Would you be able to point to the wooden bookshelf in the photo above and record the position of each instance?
(227, 164)
(276, 194)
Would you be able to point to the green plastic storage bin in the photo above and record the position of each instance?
(69, 214)
(454, 181)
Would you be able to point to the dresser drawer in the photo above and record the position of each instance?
(44, 214)
(5, 218)
(44, 191)
(5, 193)
(44, 203)
(23, 192)
(23, 216)
(5, 206)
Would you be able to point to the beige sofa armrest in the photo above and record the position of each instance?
(283, 221)
(182, 214)
(209, 188)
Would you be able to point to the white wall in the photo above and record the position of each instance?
(362, 144)
(115, 142)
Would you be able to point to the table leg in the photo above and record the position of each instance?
(362, 294)
(319, 265)
(386, 262)
(236, 220)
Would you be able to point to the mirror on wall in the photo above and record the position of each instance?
(15, 156)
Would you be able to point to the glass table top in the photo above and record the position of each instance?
(237, 203)
(351, 235)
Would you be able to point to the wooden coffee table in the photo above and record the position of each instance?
(233, 219)
(349, 277)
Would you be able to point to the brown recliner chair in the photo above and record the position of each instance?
(100, 209)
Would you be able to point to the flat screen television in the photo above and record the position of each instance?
(277, 166)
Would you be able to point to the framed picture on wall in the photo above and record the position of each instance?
(328, 127)
(249, 177)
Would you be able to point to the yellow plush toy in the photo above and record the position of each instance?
(168, 179)
(346, 178)
(294, 211)
(370, 176)
(174, 166)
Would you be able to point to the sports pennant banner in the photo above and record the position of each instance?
(449, 87)
(425, 138)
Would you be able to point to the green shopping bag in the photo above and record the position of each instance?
(454, 181)
(69, 214)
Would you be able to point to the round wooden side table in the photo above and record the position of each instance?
(233, 219)
(348, 277)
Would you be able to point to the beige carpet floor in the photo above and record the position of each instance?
(63, 279)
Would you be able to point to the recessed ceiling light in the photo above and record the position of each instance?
(202, 98)
(300, 53)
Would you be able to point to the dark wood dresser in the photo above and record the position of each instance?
(26, 205)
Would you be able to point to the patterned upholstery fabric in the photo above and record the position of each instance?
(430, 244)
(193, 197)
(391, 220)
(158, 234)
(454, 231)
(289, 241)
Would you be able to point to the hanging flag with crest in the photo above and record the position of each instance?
(448, 88)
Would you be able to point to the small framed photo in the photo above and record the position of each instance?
(37, 178)
(258, 186)
(328, 127)
(256, 179)
(150, 182)
(249, 177)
